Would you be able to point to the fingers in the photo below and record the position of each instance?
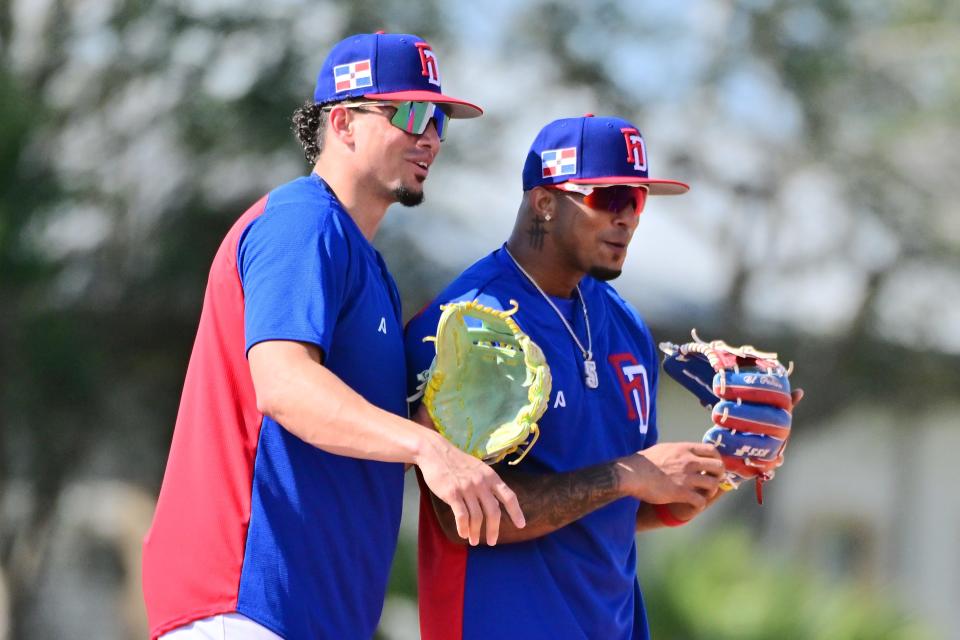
(510, 502)
(712, 467)
(473, 491)
(478, 507)
(692, 498)
(797, 396)
(705, 484)
(491, 512)
(703, 472)
(493, 493)
(469, 517)
(476, 519)
(704, 450)
(459, 510)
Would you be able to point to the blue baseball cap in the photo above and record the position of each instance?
(386, 66)
(593, 151)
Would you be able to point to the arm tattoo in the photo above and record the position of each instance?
(549, 501)
(536, 233)
(553, 501)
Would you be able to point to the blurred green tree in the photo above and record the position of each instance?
(133, 133)
(809, 126)
(726, 588)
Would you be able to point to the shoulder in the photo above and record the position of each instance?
(296, 213)
(302, 229)
(480, 281)
(303, 204)
(298, 216)
(622, 310)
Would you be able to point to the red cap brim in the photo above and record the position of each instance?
(457, 108)
(656, 187)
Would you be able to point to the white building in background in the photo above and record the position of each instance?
(873, 495)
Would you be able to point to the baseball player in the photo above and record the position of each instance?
(597, 475)
(280, 505)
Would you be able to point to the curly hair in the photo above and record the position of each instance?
(309, 124)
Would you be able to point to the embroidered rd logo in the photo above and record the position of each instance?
(635, 387)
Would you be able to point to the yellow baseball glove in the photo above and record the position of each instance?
(489, 382)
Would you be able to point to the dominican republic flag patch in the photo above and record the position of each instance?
(559, 162)
(353, 75)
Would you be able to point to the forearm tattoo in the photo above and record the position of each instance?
(548, 501)
(552, 501)
(537, 232)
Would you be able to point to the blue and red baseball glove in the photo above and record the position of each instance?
(748, 392)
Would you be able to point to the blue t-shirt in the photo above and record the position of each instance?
(250, 518)
(323, 527)
(579, 581)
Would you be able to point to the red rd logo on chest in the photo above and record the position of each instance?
(635, 385)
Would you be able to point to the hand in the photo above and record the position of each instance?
(473, 490)
(687, 512)
(682, 472)
(797, 396)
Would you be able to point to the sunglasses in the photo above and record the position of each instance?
(612, 199)
(412, 117)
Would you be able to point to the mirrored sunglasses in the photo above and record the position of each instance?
(412, 117)
(613, 198)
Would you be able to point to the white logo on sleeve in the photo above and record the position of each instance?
(383, 325)
(560, 401)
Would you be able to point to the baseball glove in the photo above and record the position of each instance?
(489, 382)
(749, 394)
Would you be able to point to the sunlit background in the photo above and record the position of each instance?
(822, 142)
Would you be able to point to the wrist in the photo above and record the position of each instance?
(424, 444)
(666, 517)
(633, 476)
(623, 474)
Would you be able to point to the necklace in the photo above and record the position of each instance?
(590, 377)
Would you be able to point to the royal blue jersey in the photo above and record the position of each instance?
(579, 581)
(251, 518)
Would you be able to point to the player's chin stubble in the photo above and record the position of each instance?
(406, 197)
(603, 274)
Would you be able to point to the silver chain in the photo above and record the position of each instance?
(588, 352)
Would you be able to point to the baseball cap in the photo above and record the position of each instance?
(386, 66)
(593, 151)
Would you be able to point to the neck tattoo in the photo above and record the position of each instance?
(536, 233)
(590, 377)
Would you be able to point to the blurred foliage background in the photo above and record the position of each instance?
(822, 140)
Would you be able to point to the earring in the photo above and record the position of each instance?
(547, 217)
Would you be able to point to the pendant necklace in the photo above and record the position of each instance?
(590, 377)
